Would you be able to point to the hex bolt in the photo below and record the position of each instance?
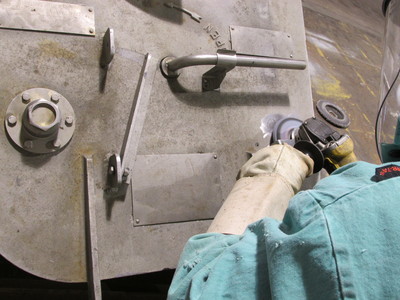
(12, 120)
(55, 98)
(26, 97)
(69, 120)
(28, 144)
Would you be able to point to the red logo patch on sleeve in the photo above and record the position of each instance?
(386, 172)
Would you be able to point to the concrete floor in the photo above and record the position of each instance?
(344, 43)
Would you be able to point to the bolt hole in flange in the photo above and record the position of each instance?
(34, 121)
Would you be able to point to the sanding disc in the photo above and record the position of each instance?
(333, 114)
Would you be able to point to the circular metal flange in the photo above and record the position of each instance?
(164, 68)
(40, 121)
(333, 114)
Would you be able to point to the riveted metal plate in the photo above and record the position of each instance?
(175, 188)
(47, 16)
(263, 42)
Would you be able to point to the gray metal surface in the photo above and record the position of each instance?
(183, 187)
(47, 16)
(92, 256)
(42, 197)
(251, 41)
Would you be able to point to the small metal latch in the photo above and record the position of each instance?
(108, 50)
(120, 165)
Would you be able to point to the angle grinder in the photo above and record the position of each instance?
(327, 147)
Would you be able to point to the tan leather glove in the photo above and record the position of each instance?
(267, 182)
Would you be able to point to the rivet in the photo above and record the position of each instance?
(91, 30)
(12, 120)
(111, 170)
(26, 97)
(215, 156)
(55, 98)
(137, 221)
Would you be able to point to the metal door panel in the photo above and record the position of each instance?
(42, 197)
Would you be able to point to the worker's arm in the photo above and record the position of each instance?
(267, 182)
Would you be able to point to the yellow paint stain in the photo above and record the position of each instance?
(320, 52)
(366, 118)
(54, 49)
(330, 88)
(366, 57)
(363, 54)
(361, 131)
(372, 44)
(357, 73)
(365, 83)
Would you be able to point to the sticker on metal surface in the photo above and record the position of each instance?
(47, 16)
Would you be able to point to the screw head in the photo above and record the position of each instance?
(55, 98)
(69, 120)
(28, 144)
(12, 120)
(91, 30)
(26, 97)
(90, 10)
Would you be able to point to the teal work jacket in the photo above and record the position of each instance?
(340, 240)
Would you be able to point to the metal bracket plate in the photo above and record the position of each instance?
(175, 188)
(47, 16)
(262, 42)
